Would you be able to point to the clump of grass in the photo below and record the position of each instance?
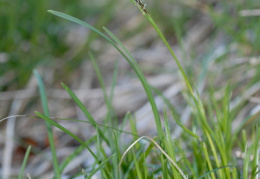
(205, 150)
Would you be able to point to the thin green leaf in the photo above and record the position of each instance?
(25, 159)
(214, 170)
(68, 132)
(82, 107)
(48, 125)
(100, 166)
(75, 153)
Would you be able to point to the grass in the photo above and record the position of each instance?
(204, 149)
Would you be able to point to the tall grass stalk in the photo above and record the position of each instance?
(48, 124)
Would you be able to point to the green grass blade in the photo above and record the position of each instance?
(137, 167)
(79, 103)
(131, 164)
(76, 152)
(108, 101)
(150, 19)
(25, 159)
(168, 143)
(255, 150)
(208, 160)
(100, 166)
(165, 169)
(185, 128)
(101, 125)
(100, 78)
(42, 93)
(214, 170)
(68, 132)
(48, 125)
(118, 156)
(73, 19)
(110, 107)
(144, 82)
(82, 107)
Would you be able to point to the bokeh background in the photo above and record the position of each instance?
(217, 42)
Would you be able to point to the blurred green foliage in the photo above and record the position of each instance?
(30, 36)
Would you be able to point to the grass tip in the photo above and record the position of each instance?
(63, 85)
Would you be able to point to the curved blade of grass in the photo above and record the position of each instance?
(73, 19)
(68, 132)
(158, 146)
(131, 61)
(24, 162)
(48, 125)
(130, 165)
(144, 82)
(100, 166)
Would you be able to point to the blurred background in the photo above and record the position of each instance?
(217, 42)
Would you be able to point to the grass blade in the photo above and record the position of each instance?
(100, 166)
(76, 152)
(48, 125)
(24, 162)
(144, 82)
(83, 108)
(68, 132)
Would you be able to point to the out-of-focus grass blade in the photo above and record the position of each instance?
(137, 169)
(78, 102)
(214, 170)
(76, 152)
(169, 146)
(25, 159)
(101, 125)
(100, 166)
(73, 19)
(208, 160)
(108, 101)
(68, 132)
(82, 107)
(130, 165)
(185, 128)
(49, 127)
(118, 156)
(110, 107)
(100, 78)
